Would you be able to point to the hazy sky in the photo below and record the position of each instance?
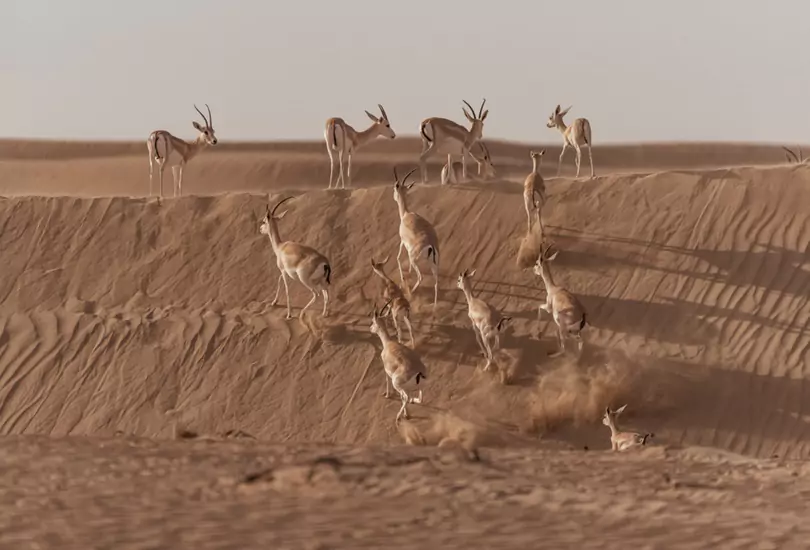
(638, 69)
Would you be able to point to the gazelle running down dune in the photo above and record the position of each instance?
(568, 313)
(442, 134)
(619, 440)
(486, 169)
(576, 135)
(400, 306)
(345, 140)
(534, 189)
(403, 366)
(417, 236)
(161, 144)
(487, 322)
(297, 262)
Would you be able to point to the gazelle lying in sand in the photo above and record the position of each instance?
(534, 189)
(487, 322)
(568, 313)
(576, 135)
(344, 140)
(486, 169)
(297, 262)
(161, 144)
(439, 133)
(619, 440)
(417, 236)
(403, 366)
(400, 306)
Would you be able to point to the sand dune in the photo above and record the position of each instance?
(125, 315)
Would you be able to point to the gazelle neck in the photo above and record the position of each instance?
(402, 205)
(382, 333)
(614, 430)
(467, 290)
(561, 126)
(536, 164)
(273, 234)
(364, 136)
(545, 274)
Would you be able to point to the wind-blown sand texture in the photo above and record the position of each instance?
(148, 326)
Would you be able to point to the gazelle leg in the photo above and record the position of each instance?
(325, 302)
(562, 343)
(479, 340)
(590, 157)
(287, 293)
(278, 287)
(451, 174)
(349, 168)
(151, 170)
(331, 165)
(578, 149)
(399, 263)
(562, 154)
(488, 347)
(415, 267)
(434, 268)
(311, 300)
(464, 151)
(387, 383)
(403, 411)
(426, 152)
(161, 168)
(341, 181)
(410, 330)
(396, 326)
(526, 201)
(180, 180)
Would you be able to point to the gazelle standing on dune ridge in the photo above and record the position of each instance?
(345, 140)
(576, 135)
(487, 322)
(416, 236)
(400, 306)
(297, 262)
(439, 133)
(486, 169)
(403, 366)
(161, 144)
(619, 440)
(568, 313)
(534, 188)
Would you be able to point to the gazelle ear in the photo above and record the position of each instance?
(484, 116)
(372, 117)
(620, 409)
(471, 273)
(565, 112)
(198, 126)
(279, 216)
(557, 110)
(468, 115)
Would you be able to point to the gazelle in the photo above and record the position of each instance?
(161, 144)
(568, 313)
(400, 306)
(403, 366)
(486, 169)
(487, 322)
(345, 140)
(417, 236)
(534, 188)
(576, 135)
(444, 134)
(297, 262)
(619, 440)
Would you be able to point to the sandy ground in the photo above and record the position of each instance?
(144, 331)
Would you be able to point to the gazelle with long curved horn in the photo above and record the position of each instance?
(400, 306)
(452, 172)
(487, 322)
(576, 135)
(162, 144)
(442, 134)
(417, 236)
(344, 140)
(297, 262)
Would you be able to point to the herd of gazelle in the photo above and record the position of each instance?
(403, 365)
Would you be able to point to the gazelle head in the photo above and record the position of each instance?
(463, 281)
(207, 131)
(609, 418)
(401, 188)
(543, 258)
(537, 155)
(268, 224)
(477, 128)
(377, 267)
(376, 326)
(382, 125)
(485, 166)
(556, 118)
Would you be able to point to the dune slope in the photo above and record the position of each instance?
(125, 314)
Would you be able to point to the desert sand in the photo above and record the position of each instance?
(151, 397)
